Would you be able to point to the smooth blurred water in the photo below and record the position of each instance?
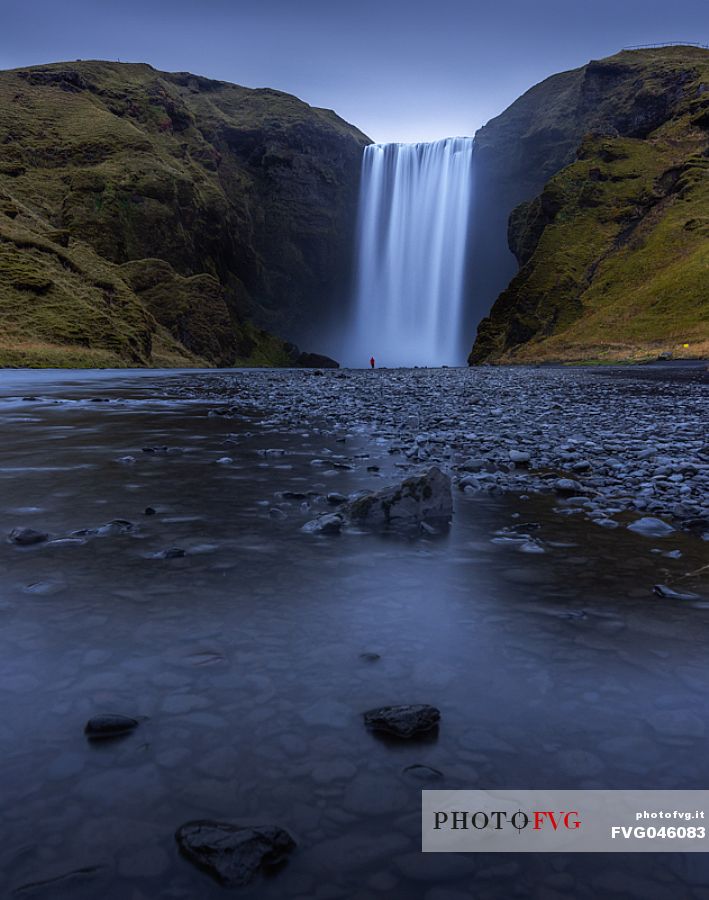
(412, 237)
(558, 670)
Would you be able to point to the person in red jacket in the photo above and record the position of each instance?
(371, 361)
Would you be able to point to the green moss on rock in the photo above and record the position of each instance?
(203, 203)
(613, 253)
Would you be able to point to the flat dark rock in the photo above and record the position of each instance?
(172, 553)
(109, 726)
(233, 854)
(115, 527)
(402, 721)
(662, 590)
(25, 537)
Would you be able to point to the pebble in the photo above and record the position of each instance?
(27, 537)
(330, 523)
(520, 457)
(651, 527)
(172, 553)
(567, 486)
(662, 590)
(569, 420)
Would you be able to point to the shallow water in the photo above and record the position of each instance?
(555, 669)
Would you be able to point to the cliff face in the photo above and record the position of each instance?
(150, 217)
(605, 171)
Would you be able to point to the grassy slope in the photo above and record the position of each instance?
(130, 197)
(615, 251)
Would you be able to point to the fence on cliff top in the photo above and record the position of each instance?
(667, 44)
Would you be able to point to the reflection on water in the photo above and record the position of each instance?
(254, 654)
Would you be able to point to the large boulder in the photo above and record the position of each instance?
(418, 499)
(233, 854)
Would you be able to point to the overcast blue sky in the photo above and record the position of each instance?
(402, 70)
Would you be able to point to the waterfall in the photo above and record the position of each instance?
(411, 251)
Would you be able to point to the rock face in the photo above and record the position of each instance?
(597, 180)
(420, 498)
(233, 854)
(162, 218)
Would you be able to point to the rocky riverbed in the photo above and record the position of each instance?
(181, 656)
(603, 445)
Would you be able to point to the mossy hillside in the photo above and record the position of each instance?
(193, 309)
(259, 348)
(614, 252)
(64, 306)
(250, 191)
(68, 298)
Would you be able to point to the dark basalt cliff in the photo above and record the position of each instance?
(599, 180)
(163, 218)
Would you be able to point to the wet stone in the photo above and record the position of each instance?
(649, 526)
(402, 721)
(27, 537)
(520, 457)
(234, 854)
(567, 486)
(662, 590)
(172, 553)
(105, 727)
(110, 529)
(417, 499)
(330, 523)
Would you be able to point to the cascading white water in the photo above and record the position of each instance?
(412, 238)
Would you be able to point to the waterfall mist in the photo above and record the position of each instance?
(411, 253)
